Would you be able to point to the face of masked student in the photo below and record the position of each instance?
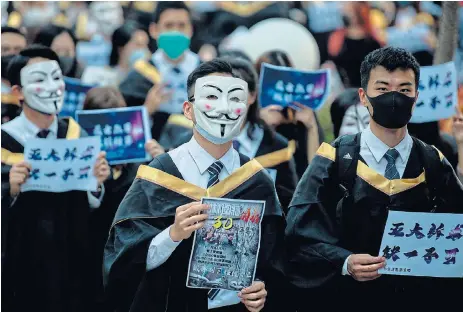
(220, 105)
(355, 120)
(43, 87)
(108, 15)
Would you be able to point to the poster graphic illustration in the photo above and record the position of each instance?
(225, 250)
(60, 165)
(123, 132)
(423, 244)
(74, 96)
(438, 91)
(283, 85)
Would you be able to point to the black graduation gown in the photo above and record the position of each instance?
(149, 208)
(100, 222)
(274, 152)
(323, 231)
(46, 243)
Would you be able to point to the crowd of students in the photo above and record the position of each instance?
(126, 246)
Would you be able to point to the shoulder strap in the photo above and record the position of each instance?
(347, 156)
(147, 70)
(431, 160)
(167, 165)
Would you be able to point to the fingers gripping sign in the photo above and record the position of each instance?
(188, 218)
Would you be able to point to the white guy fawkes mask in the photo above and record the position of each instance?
(220, 107)
(43, 87)
(108, 15)
(355, 120)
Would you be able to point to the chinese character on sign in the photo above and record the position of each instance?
(416, 231)
(70, 154)
(450, 256)
(108, 142)
(50, 174)
(421, 87)
(53, 155)
(430, 253)
(128, 140)
(118, 141)
(67, 173)
(455, 233)
(397, 230)
(108, 130)
(83, 172)
(449, 99)
(434, 230)
(280, 86)
(411, 254)
(434, 81)
(391, 254)
(434, 102)
(127, 127)
(97, 130)
(87, 154)
(35, 174)
(118, 129)
(35, 154)
(277, 97)
(448, 79)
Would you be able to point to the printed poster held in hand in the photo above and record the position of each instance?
(423, 244)
(123, 132)
(225, 250)
(438, 93)
(60, 165)
(283, 86)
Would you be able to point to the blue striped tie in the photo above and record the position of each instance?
(214, 171)
(391, 170)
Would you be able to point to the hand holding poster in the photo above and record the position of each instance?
(225, 250)
(423, 244)
(123, 132)
(283, 86)
(438, 90)
(61, 165)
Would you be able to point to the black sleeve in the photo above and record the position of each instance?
(134, 88)
(312, 232)
(286, 182)
(452, 188)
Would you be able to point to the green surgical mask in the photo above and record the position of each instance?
(174, 43)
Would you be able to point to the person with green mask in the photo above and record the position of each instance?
(168, 68)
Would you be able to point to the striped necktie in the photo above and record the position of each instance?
(214, 171)
(43, 133)
(391, 170)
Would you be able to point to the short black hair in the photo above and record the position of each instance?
(207, 68)
(48, 33)
(8, 29)
(121, 36)
(235, 54)
(167, 5)
(390, 58)
(21, 60)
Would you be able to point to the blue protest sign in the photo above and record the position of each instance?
(74, 96)
(123, 132)
(438, 90)
(283, 86)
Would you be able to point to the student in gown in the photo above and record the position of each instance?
(257, 140)
(149, 245)
(47, 242)
(337, 216)
(165, 74)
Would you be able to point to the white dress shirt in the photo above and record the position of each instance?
(22, 129)
(372, 150)
(175, 80)
(184, 157)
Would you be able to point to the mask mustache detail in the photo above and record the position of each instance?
(219, 116)
(52, 95)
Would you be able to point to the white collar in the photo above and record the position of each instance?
(204, 160)
(33, 130)
(245, 141)
(378, 148)
(189, 63)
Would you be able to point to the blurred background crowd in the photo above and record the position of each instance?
(124, 52)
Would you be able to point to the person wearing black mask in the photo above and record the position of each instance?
(13, 41)
(63, 41)
(338, 213)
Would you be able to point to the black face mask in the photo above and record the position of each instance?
(392, 110)
(66, 64)
(5, 60)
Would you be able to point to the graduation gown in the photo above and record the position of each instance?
(325, 226)
(45, 236)
(10, 107)
(149, 208)
(275, 153)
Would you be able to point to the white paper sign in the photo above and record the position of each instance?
(423, 244)
(438, 92)
(60, 165)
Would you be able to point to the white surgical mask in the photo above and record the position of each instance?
(108, 15)
(220, 107)
(43, 87)
(39, 16)
(355, 120)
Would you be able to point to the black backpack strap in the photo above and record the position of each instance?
(430, 159)
(347, 156)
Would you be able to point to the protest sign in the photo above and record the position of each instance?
(438, 90)
(225, 250)
(123, 132)
(60, 165)
(423, 244)
(74, 96)
(283, 86)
